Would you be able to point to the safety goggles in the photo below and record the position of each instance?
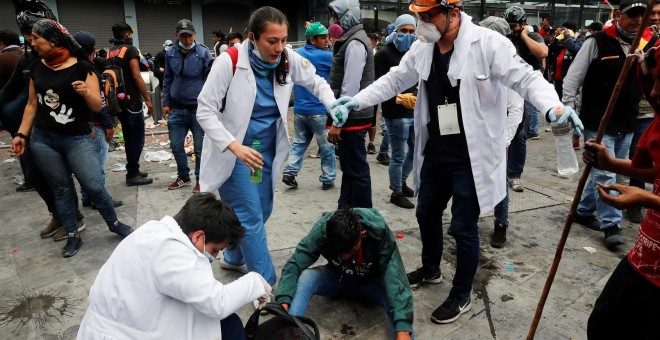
(428, 16)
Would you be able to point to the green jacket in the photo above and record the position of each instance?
(381, 258)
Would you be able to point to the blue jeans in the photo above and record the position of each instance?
(401, 132)
(58, 155)
(101, 148)
(180, 121)
(326, 281)
(518, 148)
(502, 211)
(618, 146)
(356, 178)
(11, 113)
(439, 183)
(533, 126)
(306, 127)
(132, 126)
(385, 142)
(640, 127)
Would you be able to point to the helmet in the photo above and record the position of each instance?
(30, 11)
(514, 15)
(425, 5)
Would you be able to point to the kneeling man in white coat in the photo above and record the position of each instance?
(158, 283)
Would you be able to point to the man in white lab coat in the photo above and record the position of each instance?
(463, 72)
(158, 283)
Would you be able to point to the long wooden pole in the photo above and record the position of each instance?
(587, 169)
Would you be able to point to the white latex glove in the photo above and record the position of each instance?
(566, 112)
(267, 296)
(340, 109)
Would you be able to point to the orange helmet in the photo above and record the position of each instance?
(425, 5)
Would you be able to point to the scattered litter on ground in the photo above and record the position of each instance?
(120, 148)
(119, 167)
(9, 160)
(399, 235)
(509, 267)
(172, 165)
(18, 179)
(15, 250)
(164, 143)
(157, 156)
(591, 250)
(149, 126)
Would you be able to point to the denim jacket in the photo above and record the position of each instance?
(185, 75)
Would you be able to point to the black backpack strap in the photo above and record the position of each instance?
(279, 312)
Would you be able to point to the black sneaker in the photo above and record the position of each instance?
(407, 190)
(290, 180)
(383, 159)
(613, 237)
(327, 186)
(25, 187)
(138, 180)
(421, 275)
(450, 310)
(499, 236)
(121, 229)
(143, 174)
(86, 204)
(590, 221)
(634, 214)
(73, 243)
(400, 200)
(371, 148)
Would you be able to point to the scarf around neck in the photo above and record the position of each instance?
(57, 56)
(260, 66)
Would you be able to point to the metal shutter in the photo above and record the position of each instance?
(8, 17)
(157, 22)
(222, 16)
(96, 17)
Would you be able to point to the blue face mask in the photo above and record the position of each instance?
(403, 41)
(187, 47)
(207, 254)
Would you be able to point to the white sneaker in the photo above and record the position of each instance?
(516, 184)
(224, 265)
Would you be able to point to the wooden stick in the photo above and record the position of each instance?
(587, 169)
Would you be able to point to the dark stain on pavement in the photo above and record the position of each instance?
(346, 329)
(481, 280)
(40, 307)
(506, 298)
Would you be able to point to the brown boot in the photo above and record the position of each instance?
(51, 228)
(62, 235)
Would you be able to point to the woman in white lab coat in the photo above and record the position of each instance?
(240, 104)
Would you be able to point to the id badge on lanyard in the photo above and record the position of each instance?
(448, 119)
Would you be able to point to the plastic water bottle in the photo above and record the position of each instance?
(255, 177)
(567, 163)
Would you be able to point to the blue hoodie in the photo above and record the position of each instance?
(305, 102)
(184, 75)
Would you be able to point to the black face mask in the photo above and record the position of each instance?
(127, 41)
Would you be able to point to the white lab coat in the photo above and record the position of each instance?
(221, 129)
(486, 63)
(157, 285)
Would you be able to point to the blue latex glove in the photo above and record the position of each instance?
(340, 109)
(569, 113)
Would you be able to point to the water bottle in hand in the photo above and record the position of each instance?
(255, 177)
(567, 163)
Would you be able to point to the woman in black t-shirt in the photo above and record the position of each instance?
(63, 92)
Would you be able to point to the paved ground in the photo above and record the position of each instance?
(43, 296)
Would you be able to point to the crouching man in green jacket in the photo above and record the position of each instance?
(363, 263)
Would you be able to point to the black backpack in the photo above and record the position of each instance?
(112, 83)
(282, 326)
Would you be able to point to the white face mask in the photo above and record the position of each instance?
(427, 32)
